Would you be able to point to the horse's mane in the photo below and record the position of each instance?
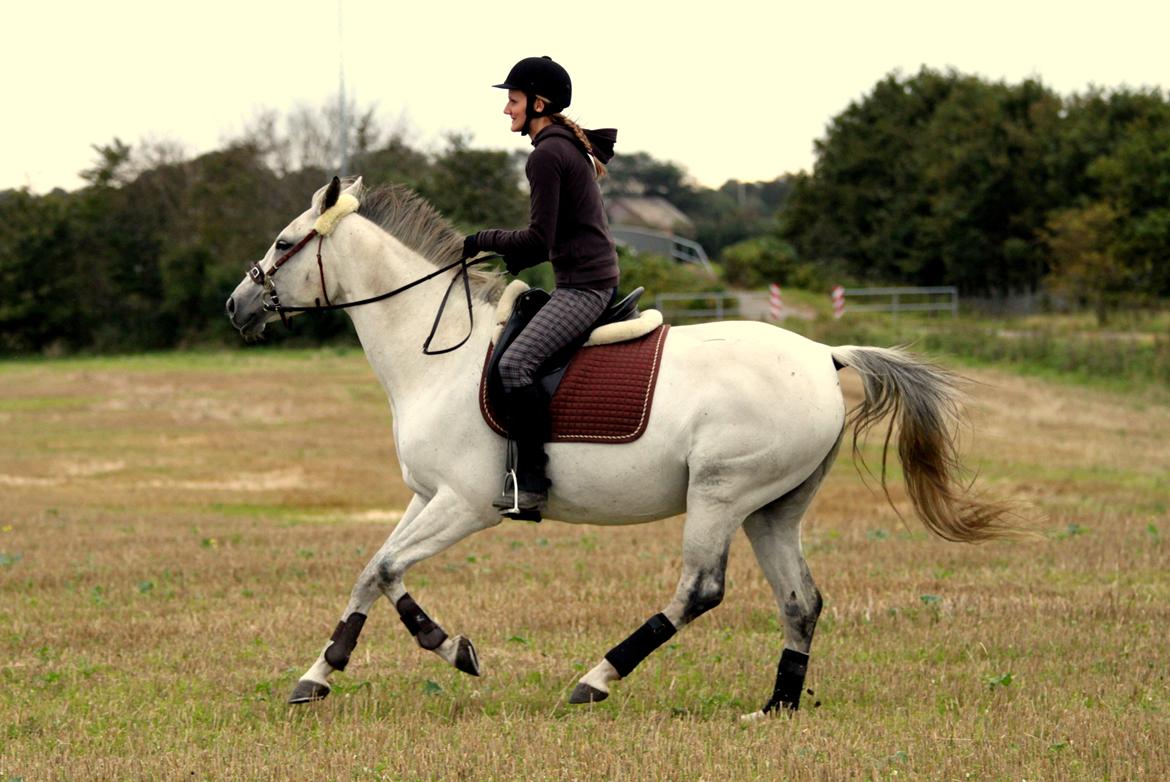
(405, 215)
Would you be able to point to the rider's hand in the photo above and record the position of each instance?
(470, 247)
(514, 266)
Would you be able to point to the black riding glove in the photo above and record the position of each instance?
(514, 266)
(470, 247)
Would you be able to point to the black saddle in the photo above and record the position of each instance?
(553, 369)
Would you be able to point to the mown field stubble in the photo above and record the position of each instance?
(179, 533)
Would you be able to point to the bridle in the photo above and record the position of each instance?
(270, 300)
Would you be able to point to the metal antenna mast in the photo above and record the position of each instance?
(342, 118)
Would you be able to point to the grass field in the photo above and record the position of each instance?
(178, 535)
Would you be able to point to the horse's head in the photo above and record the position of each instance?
(293, 261)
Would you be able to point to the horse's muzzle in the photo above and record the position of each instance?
(246, 316)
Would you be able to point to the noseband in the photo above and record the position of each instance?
(270, 300)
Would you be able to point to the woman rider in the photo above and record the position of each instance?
(567, 225)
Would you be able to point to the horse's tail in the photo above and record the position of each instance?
(923, 400)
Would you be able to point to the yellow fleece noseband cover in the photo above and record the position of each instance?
(332, 216)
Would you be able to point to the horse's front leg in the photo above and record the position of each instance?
(426, 529)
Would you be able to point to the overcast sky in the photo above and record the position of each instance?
(728, 89)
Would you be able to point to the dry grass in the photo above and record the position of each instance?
(179, 533)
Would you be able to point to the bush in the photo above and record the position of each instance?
(655, 273)
(755, 262)
(662, 275)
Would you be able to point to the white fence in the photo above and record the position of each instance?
(941, 298)
(723, 305)
(715, 305)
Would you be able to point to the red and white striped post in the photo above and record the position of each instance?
(775, 303)
(838, 297)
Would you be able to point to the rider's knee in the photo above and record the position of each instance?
(515, 371)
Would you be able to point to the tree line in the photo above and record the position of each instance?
(942, 178)
(144, 255)
(932, 178)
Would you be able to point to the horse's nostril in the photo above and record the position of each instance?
(231, 306)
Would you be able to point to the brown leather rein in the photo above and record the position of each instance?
(270, 300)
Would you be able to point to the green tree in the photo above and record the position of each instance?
(1084, 266)
(931, 178)
(737, 211)
(864, 201)
(986, 174)
(112, 166)
(1135, 182)
(38, 272)
(475, 188)
(1092, 126)
(394, 162)
(662, 275)
(639, 173)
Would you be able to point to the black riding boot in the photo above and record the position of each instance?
(525, 492)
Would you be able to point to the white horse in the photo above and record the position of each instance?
(746, 422)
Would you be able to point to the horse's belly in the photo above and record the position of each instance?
(616, 484)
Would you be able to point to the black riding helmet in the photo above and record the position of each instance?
(540, 76)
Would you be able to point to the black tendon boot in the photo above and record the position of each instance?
(525, 492)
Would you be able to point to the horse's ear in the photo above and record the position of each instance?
(331, 194)
(354, 188)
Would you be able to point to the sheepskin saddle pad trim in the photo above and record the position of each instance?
(621, 331)
(606, 393)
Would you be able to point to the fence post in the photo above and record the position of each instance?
(775, 303)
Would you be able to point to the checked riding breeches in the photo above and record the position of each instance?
(568, 314)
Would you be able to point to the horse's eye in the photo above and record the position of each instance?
(283, 244)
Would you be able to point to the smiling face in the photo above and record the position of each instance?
(516, 109)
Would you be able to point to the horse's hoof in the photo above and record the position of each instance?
(755, 716)
(583, 693)
(307, 691)
(466, 659)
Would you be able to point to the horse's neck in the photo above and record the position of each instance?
(392, 332)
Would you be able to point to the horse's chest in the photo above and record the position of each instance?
(438, 442)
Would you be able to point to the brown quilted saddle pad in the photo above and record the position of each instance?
(605, 395)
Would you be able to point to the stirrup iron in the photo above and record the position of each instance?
(510, 475)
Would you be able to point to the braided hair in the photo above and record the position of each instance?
(561, 119)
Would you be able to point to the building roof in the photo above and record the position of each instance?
(648, 212)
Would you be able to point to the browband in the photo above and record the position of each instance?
(331, 216)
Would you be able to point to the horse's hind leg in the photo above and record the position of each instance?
(774, 532)
(707, 536)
